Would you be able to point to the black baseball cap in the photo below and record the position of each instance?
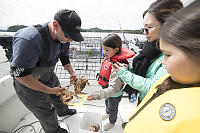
(70, 23)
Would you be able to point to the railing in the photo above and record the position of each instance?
(6, 43)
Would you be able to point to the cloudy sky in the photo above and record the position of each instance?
(104, 14)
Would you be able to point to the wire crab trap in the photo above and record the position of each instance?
(86, 58)
(88, 67)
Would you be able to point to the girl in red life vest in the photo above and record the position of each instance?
(111, 84)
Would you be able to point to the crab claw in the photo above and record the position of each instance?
(67, 87)
(88, 83)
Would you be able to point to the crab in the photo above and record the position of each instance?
(95, 128)
(80, 84)
(65, 95)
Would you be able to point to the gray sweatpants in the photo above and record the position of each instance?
(40, 104)
(112, 104)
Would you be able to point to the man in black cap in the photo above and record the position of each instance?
(36, 50)
(70, 23)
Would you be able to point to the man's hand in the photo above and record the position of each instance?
(55, 90)
(73, 78)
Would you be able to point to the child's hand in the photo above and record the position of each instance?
(125, 65)
(90, 98)
(116, 67)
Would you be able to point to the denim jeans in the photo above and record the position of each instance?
(112, 104)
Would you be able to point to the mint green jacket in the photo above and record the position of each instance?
(143, 85)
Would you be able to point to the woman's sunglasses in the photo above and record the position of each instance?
(146, 29)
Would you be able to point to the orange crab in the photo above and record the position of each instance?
(95, 128)
(65, 95)
(80, 84)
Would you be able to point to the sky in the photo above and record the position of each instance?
(104, 14)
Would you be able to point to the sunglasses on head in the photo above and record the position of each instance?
(146, 29)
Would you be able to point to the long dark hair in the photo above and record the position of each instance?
(169, 84)
(183, 31)
(162, 9)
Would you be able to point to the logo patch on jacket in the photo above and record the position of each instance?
(167, 112)
(105, 67)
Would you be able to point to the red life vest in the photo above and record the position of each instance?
(106, 66)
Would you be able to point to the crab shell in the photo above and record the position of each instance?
(80, 84)
(65, 95)
(95, 128)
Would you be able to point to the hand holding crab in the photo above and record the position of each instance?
(80, 84)
(66, 95)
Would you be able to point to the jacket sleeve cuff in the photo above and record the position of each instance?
(64, 60)
(121, 70)
(130, 67)
(20, 72)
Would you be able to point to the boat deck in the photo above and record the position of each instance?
(29, 124)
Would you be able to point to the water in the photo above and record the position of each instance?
(129, 37)
(5, 66)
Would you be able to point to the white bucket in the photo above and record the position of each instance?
(90, 119)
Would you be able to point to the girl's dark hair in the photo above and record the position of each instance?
(113, 41)
(183, 31)
(162, 9)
